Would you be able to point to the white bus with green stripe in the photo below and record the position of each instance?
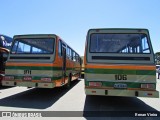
(42, 61)
(120, 62)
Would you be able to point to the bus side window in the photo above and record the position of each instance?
(69, 55)
(60, 48)
(67, 52)
(77, 57)
(145, 45)
(74, 57)
(15, 47)
(63, 47)
(70, 52)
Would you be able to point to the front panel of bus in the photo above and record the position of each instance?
(120, 62)
(31, 62)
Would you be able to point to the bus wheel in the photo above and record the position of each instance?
(68, 85)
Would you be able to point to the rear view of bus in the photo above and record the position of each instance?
(42, 61)
(120, 62)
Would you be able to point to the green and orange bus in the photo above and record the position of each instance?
(120, 62)
(42, 61)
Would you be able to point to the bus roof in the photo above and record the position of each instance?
(119, 30)
(34, 35)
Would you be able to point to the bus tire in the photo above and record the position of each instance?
(68, 85)
(82, 75)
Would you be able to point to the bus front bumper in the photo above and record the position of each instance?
(120, 92)
(28, 84)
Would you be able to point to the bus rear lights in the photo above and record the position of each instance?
(9, 78)
(95, 84)
(46, 79)
(148, 86)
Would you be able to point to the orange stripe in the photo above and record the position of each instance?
(128, 67)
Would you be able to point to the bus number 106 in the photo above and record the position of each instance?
(120, 77)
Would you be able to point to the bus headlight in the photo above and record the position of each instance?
(9, 78)
(148, 86)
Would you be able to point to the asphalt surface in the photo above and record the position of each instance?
(74, 104)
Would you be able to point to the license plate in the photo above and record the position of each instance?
(120, 85)
(27, 78)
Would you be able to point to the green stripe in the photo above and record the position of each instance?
(111, 84)
(35, 68)
(113, 71)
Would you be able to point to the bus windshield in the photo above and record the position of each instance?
(33, 46)
(130, 43)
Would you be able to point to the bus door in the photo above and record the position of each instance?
(63, 64)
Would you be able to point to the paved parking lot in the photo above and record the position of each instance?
(74, 99)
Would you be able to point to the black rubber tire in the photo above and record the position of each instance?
(68, 85)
